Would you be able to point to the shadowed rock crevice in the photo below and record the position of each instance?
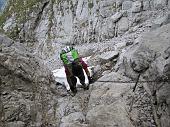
(39, 15)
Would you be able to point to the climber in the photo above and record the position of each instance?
(74, 66)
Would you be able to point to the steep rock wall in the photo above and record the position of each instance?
(26, 96)
(25, 88)
(150, 58)
(51, 22)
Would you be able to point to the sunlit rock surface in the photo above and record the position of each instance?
(137, 31)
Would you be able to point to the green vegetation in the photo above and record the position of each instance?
(24, 11)
(18, 8)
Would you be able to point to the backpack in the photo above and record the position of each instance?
(70, 56)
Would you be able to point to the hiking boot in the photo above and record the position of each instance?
(74, 91)
(84, 86)
(71, 93)
(87, 87)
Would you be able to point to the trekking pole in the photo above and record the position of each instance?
(136, 83)
(133, 98)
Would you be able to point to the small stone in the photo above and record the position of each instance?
(116, 16)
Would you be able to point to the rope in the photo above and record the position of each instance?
(151, 81)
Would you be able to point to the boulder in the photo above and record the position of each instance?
(142, 58)
(123, 25)
(109, 116)
(157, 40)
(108, 29)
(108, 56)
(106, 107)
(116, 16)
(160, 21)
(5, 41)
(106, 92)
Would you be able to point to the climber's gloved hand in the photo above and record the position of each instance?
(90, 79)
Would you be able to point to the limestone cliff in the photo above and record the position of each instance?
(42, 24)
(25, 87)
(128, 40)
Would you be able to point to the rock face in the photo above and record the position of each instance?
(25, 87)
(45, 24)
(106, 104)
(150, 59)
(121, 55)
(158, 40)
